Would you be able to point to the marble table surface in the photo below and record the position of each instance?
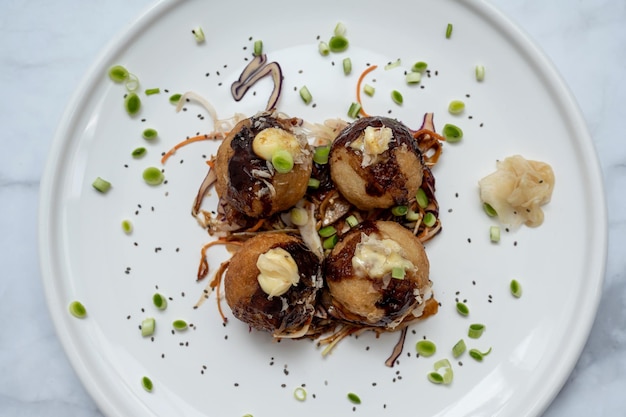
(45, 49)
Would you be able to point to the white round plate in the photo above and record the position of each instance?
(521, 107)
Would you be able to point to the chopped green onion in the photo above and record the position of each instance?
(413, 78)
(347, 66)
(147, 327)
(448, 30)
(422, 198)
(305, 95)
(282, 161)
(369, 90)
(118, 73)
(397, 272)
(320, 154)
(429, 219)
(478, 355)
(299, 216)
(425, 348)
(299, 394)
(101, 185)
(149, 134)
(419, 66)
(491, 212)
(412, 215)
(77, 309)
(394, 64)
(174, 98)
(480, 72)
(146, 383)
(354, 110)
(354, 398)
(396, 96)
(494, 234)
(248, 415)
(352, 220)
(516, 288)
(314, 183)
(475, 330)
(330, 242)
(340, 29)
(151, 91)
(327, 231)
(138, 152)
(462, 309)
(459, 348)
(456, 107)
(323, 48)
(435, 378)
(258, 47)
(132, 103)
(338, 43)
(452, 133)
(447, 373)
(127, 226)
(132, 83)
(399, 210)
(153, 176)
(179, 325)
(159, 301)
(198, 33)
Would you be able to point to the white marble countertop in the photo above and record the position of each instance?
(47, 47)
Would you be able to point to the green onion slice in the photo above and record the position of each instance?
(338, 43)
(282, 161)
(354, 398)
(146, 383)
(476, 330)
(330, 242)
(394, 64)
(179, 325)
(340, 29)
(127, 226)
(258, 47)
(480, 72)
(77, 309)
(448, 30)
(118, 73)
(478, 355)
(419, 66)
(412, 215)
(354, 110)
(198, 33)
(347, 66)
(327, 231)
(429, 219)
(101, 185)
(494, 234)
(323, 48)
(138, 152)
(459, 348)
(153, 176)
(399, 211)
(435, 378)
(396, 96)
(462, 309)
(452, 133)
(320, 154)
(352, 220)
(413, 77)
(456, 107)
(147, 327)
(159, 301)
(422, 198)
(313, 183)
(299, 216)
(425, 348)
(151, 91)
(397, 272)
(149, 134)
(516, 288)
(369, 90)
(491, 212)
(132, 104)
(305, 95)
(175, 98)
(299, 394)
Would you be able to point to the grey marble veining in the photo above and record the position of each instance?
(45, 49)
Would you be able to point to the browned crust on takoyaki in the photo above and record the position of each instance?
(393, 180)
(280, 315)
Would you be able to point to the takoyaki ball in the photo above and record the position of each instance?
(272, 284)
(378, 276)
(375, 163)
(263, 166)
